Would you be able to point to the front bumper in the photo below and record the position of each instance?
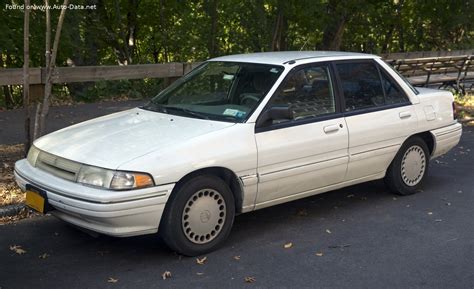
(115, 213)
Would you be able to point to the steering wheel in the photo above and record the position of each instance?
(248, 99)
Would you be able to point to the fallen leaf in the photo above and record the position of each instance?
(394, 199)
(319, 254)
(448, 204)
(112, 280)
(201, 261)
(43, 256)
(236, 257)
(288, 245)
(250, 279)
(430, 213)
(166, 275)
(199, 273)
(328, 231)
(17, 249)
(302, 213)
(438, 220)
(350, 196)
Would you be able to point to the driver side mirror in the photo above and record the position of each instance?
(274, 113)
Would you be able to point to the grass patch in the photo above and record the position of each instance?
(465, 106)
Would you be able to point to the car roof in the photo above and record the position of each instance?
(283, 57)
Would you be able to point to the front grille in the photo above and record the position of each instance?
(60, 167)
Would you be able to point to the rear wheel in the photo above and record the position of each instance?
(407, 171)
(198, 216)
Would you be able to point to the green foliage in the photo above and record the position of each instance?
(158, 31)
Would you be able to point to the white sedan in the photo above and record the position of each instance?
(237, 134)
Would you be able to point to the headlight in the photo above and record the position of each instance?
(128, 180)
(33, 155)
(95, 176)
(115, 180)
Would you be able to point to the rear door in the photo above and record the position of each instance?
(309, 151)
(378, 114)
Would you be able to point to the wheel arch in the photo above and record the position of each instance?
(225, 174)
(428, 138)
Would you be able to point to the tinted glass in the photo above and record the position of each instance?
(361, 85)
(393, 93)
(308, 92)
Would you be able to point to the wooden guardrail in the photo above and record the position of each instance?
(14, 76)
(443, 68)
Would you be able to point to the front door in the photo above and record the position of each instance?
(308, 152)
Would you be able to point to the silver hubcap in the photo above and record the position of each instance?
(413, 165)
(203, 216)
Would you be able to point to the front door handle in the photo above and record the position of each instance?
(404, 114)
(331, 128)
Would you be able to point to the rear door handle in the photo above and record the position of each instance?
(331, 128)
(404, 114)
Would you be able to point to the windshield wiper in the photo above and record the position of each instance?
(188, 112)
(154, 107)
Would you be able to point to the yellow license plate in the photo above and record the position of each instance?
(35, 201)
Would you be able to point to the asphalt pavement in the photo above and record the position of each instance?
(356, 237)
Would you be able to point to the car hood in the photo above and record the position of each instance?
(117, 138)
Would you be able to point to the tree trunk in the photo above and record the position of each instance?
(131, 35)
(26, 76)
(212, 46)
(334, 30)
(43, 112)
(9, 103)
(396, 19)
(280, 29)
(47, 56)
(332, 37)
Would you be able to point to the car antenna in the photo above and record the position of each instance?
(304, 44)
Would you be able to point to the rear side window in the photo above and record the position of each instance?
(393, 93)
(365, 85)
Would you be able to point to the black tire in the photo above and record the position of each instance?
(395, 178)
(172, 227)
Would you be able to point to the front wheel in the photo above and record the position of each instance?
(198, 216)
(408, 169)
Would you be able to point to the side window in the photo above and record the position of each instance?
(361, 85)
(393, 93)
(308, 92)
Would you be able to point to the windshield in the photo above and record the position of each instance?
(224, 91)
